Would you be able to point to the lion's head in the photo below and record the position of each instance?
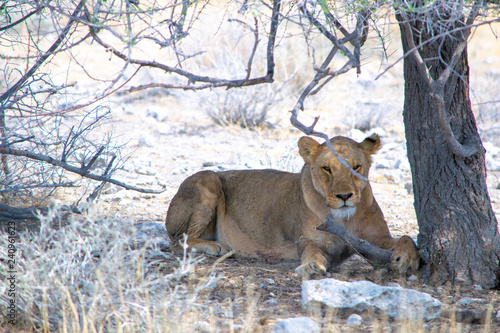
(341, 189)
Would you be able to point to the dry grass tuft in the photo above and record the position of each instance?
(84, 275)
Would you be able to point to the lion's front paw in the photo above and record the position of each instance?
(211, 248)
(405, 256)
(310, 268)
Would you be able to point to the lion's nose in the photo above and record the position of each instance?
(344, 196)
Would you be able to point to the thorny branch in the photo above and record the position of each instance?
(6, 95)
(255, 44)
(206, 82)
(82, 171)
(358, 38)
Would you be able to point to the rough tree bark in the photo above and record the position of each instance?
(458, 237)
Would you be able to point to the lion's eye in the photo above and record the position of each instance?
(357, 167)
(326, 169)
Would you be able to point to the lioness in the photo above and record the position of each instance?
(274, 214)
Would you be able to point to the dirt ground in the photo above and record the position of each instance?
(253, 295)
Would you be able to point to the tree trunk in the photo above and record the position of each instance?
(458, 239)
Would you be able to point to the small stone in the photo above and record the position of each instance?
(413, 278)
(393, 285)
(395, 176)
(296, 325)
(272, 301)
(270, 281)
(464, 301)
(151, 233)
(477, 287)
(203, 326)
(354, 320)
(383, 164)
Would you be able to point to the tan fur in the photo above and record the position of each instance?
(274, 214)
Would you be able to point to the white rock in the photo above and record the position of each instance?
(379, 130)
(492, 163)
(153, 234)
(383, 164)
(296, 325)
(357, 135)
(145, 141)
(402, 164)
(391, 146)
(354, 320)
(358, 297)
(464, 301)
(491, 149)
(396, 176)
(272, 301)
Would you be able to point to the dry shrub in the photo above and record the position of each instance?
(83, 274)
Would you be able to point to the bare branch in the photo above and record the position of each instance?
(328, 35)
(272, 40)
(98, 189)
(193, 79)
(16, 141)
(431, 40)
(71, 168)
(12, 90)
(420, 64)
(9, 212)
(89, 165)
(21, 20)
(322, 72)
(353, 61)
(443, 78)
(255, 44)
(371, 252)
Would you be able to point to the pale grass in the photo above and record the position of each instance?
(83, 275)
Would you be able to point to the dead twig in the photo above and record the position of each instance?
(363, 247)
(325, 72)
(81, 171)
(198, 82)
(12, 90)
(8, 212)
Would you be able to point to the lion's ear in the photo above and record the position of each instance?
(371, 144)
(307, 148)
